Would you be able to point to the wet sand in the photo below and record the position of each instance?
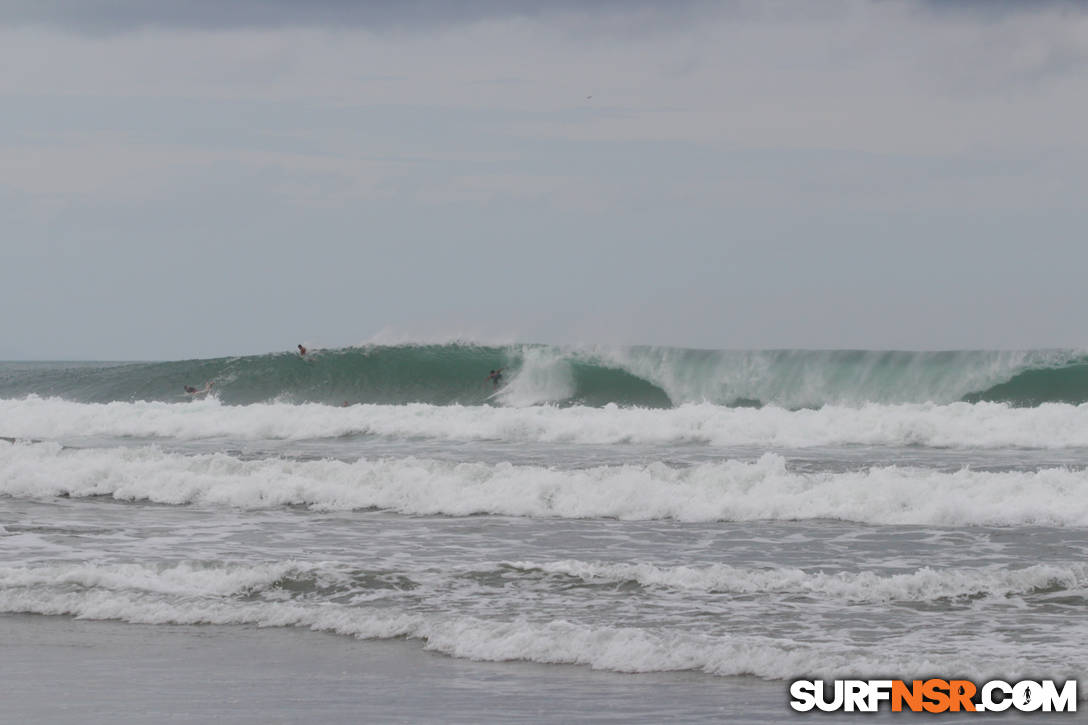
(63, 670)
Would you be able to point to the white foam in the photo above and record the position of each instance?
(545, 376)
(54, 591)
(225, 579)
(923, 584)
(981, 425)
(182, 578)
(729, 490)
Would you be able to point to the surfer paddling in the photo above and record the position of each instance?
(495, 376)
(194, 391)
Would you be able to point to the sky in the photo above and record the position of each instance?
(198, 179)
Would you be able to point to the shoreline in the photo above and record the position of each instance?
(57, 669)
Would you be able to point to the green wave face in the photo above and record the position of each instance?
(435, 374)
(1068, 384)
(651, 377)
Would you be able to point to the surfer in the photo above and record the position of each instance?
(193, 391)
(301, 351)
(495, 376)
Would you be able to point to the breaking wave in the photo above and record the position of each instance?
(313, 596)
(958, 425)
(650, 377)
(766, 489)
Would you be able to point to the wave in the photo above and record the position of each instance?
(922, 585)
(332, 580)
(958, 425)
(650, 377)
(766, 489)
(225, 594)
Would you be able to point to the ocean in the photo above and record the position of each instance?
(636, 534)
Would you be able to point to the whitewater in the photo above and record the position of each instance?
(743, 518)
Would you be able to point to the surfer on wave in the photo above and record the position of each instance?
(193, 391)
(301, 351)
(495, 376)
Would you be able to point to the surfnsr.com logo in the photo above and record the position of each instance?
(933, 695)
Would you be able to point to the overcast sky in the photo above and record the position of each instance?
(205, 178)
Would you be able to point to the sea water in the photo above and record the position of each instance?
(735, 516)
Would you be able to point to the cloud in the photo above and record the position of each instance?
(733, 155)
(999, 7)
(780, 98)
(631, 16)
(98, 16)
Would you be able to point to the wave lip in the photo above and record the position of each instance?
(649, 377)
(732, 490)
